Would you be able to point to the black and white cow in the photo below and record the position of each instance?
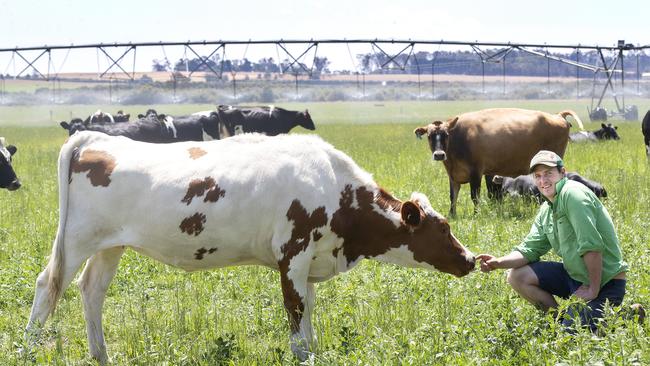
(524, 186)
(167, 129)
(120, 116)
(292, 203)
(645, 128)
(606, 132)
(595, 187)
(268, 120)
(102, 118)
(150, 113)
(8, 177)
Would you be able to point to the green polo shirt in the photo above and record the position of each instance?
(576, 223)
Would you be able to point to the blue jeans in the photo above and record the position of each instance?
(554, 279)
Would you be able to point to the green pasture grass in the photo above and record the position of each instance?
(29, 86)
(376, 314)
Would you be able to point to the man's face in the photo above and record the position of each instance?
(545, 178)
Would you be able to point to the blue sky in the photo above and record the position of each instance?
(62, 22)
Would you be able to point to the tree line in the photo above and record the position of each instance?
(515, 62)
(263, 65)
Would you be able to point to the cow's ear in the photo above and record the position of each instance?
(411, 214)
(452, 123)
(161, 117)
(65, 125)
(140, 115)
(603, 125)
(616, 127)
(12, 149)
(420, 131)
(127, 116)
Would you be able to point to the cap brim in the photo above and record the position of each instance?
(547, 163)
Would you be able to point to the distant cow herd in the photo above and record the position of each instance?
(292, 203)
(225, 121)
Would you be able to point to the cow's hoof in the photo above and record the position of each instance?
(637, 310)
(301, 351)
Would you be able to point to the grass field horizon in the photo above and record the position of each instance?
(376, 313)
(359, 112)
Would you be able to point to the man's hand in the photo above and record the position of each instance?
(594, 264)
(587, 293)
(488, 262)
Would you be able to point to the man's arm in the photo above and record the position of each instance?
(594, 264)
(513, 260)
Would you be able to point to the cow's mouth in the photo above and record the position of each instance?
(14, 185)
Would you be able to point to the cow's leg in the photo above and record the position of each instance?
(454, 188)
(491, 188)
(44, 301)
(475, 188)
(298, 301)
(305, 324)
(95, 279)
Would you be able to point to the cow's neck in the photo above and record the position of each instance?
(600, 133)
(369, 224)
(456, 163)
(209, 135)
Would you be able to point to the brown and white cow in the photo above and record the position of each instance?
(499, 141)
(8, 177)
(292, 203)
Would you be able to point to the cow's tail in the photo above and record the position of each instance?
(57, 259)
(575, 116)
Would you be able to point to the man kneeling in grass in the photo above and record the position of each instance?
(575, 224)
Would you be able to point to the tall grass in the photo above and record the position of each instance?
(375, 314)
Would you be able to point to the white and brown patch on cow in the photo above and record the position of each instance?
(198, 255)
(387, 202)
(193, 225)
(304, 227)
(199, 187)
(98, 164)
(364, 224)
(196, 152)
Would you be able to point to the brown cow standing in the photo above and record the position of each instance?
(499, 141)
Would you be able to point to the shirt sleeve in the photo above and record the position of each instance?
(535, 244)
(581, 212)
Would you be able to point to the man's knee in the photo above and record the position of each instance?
(522, 276)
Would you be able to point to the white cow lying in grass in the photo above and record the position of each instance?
(292, 203)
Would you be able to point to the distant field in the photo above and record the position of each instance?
(322, 113)
(377, 314)
(29, 86)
